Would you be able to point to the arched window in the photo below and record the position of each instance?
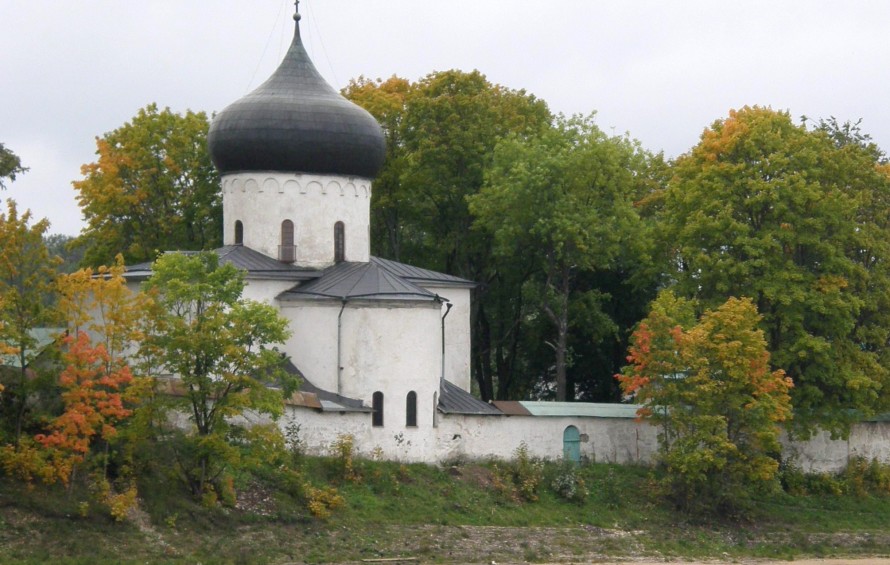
(287, 252)
(377, 406)
(411, 410)
(239, 232)
(339, 242)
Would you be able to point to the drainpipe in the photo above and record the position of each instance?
(448, 306)
(339, 347)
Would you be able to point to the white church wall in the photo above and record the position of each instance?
(392, 347)
(265, 290)
(313, 344)
(395, 350)
(314, 203)
(457, 334)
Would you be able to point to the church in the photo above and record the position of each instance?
(382, 348)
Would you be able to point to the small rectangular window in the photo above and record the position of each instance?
(377, 406)
(411, 410)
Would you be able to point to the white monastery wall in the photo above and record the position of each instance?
(611, 440)
(820, 453)
(314, 203)
(605, 440)
(457, 334)
(871, 440)
(319, 430)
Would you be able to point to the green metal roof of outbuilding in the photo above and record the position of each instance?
(589, 409)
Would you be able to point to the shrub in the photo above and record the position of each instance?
(521, 477)
(321, 502)
(568, 484)
(343, 450)
(296, 445)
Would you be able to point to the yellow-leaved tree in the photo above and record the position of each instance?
(710, 386)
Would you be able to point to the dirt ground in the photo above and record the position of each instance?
(857, 561)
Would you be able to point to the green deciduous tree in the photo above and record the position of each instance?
(385, 100)
(765, 208)
(220, 346)
(709, 385)
(27, 283)
(10, 165)
(562, 203)
(62, 246)
(152, 188)
(441, 133)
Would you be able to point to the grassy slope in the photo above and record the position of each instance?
(452, 514)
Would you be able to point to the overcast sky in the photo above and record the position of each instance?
(661, 71)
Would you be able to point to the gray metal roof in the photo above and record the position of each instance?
(369, 281)
(296, 122)
(455, 400)
(257, 265)
(421, 276)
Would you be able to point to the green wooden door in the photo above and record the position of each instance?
(571, 444)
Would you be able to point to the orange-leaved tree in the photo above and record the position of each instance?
(104, 319)
(710, 385)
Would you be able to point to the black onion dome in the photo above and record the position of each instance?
(295, 122)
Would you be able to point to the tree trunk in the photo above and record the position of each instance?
(482, 352)
(560, 319)
(562, 392)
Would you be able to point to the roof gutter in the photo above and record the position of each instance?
(448, 306)
(339, 346)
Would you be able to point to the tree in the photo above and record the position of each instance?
(218, 345)
(710, 386)
(765, 208)
(441, 132)
(10, 166)
(93, 396)
(563, 202)
(386, 100)
(64, 247)
(104, 325)
(27, 279)
(152, 188)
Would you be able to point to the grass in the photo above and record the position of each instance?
(452, 513)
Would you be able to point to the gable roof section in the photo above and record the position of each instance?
(367, 281)
(455, 400)
(421, 276)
